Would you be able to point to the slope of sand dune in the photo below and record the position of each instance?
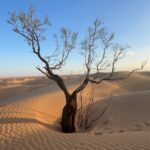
(30, 115)
(146, 73)
(136, 82)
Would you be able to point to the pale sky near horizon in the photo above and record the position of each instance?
(128, 19)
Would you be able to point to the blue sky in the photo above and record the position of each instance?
(128, 19)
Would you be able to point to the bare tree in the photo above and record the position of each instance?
(32, 29)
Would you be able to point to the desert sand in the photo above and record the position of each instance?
(30, 111)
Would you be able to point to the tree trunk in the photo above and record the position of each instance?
(68, 115)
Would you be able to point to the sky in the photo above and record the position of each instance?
(128, 19)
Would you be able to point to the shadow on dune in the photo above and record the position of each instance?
(28, 120)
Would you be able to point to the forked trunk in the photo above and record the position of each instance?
(68, 115)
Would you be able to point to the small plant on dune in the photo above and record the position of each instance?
(84, 119)
(93, 49)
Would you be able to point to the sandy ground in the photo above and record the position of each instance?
(30, 110)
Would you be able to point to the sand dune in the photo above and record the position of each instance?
(136, 82)
(30, 110)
